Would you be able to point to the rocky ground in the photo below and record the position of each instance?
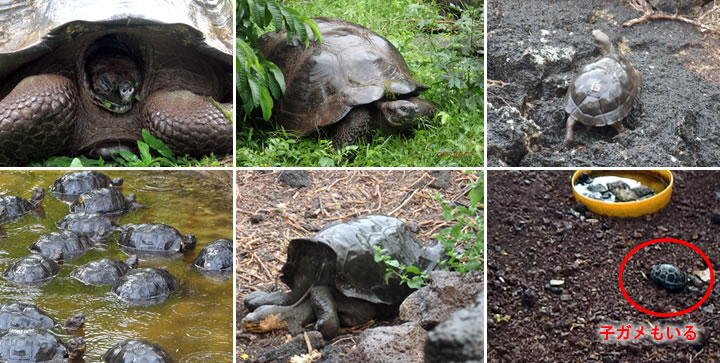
(274, 207)
(535, 234)
(535, 51)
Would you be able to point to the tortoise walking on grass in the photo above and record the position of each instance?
(82, 77)
(335, 280)
(604, 92)
(354, 80)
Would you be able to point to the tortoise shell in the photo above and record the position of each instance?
(669, 277)
(109, 201)
(352, 66)
(605, 91)
(21, 315)
(31, 345)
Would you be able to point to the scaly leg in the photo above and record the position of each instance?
(36, 119)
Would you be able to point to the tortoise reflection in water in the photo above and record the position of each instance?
(334, 279)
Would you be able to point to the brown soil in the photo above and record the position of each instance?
(533, 237)
(286, 213)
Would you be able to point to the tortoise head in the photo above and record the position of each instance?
(132, 261)
(188, 242)
(602, 42)
(76, 348)
(112, 76)
(37, 196)
(58, 256)
(401, 114)
(75, 322)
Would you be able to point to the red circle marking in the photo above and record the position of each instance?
(667, 315)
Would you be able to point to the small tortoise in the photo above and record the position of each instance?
(95, 227)
(217, 256)
(354, 80)
(669, 277)
(34, 270)
(104, 271)
(37, 345)
(604, 92)
(21, 315)
(72, 245)
(13, 207)
(131, 350)
(145, 286)
(335, 280)
(109, 201)
(154, 238)
(69, 186)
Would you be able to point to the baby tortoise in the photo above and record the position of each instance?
(604, 92)
(669, 277)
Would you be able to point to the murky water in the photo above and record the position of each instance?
(194, 324)
(634, 178)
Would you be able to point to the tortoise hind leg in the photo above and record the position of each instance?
(352, 127)
(569, 132)
(188, 123)
(36, 118)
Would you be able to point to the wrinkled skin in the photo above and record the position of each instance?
(96, 86)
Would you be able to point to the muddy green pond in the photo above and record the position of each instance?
(194, 324)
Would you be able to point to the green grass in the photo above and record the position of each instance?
(152, 152)
(441, 58)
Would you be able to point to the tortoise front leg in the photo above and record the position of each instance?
(569, 132)
(352, 127)
(323, 304)
(188, 123)
(36, 118)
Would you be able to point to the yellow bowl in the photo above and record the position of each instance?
(627, 209)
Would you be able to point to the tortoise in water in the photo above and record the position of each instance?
(95, 227)
(669, 277)
(13, 207)
(83, 77)
(37, 345)
(109, 201)
(132, 350)
(20, 315)
(104, 271)
(335, 280)
(353, 81)
(70, 243)
(217, 256)
(34, 270)
(154, 238)
(145, 286)
(69, 186)
(604, 92)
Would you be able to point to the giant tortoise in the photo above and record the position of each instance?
(85, 77)
(353, 81)
(335, 280)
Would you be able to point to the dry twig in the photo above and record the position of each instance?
(651, 14)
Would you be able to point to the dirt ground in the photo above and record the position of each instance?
(534, 235)
(534, 52)
(270, 213)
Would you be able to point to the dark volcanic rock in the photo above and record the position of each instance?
(295, 178)
(295, 346)
(460, 338)
(390, 344)
(446, 293)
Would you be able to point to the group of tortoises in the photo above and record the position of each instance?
(95, 202)
(82, 77)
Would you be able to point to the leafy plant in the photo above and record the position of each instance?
(409, 275)
(258, 80)
(463, 242)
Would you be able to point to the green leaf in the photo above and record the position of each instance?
(326, 162)
(393, 263)
(144, 152)
(107, 103)
(158, 145)
(476, 195)
(412, 270)
(128, 156)
(76, 163)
